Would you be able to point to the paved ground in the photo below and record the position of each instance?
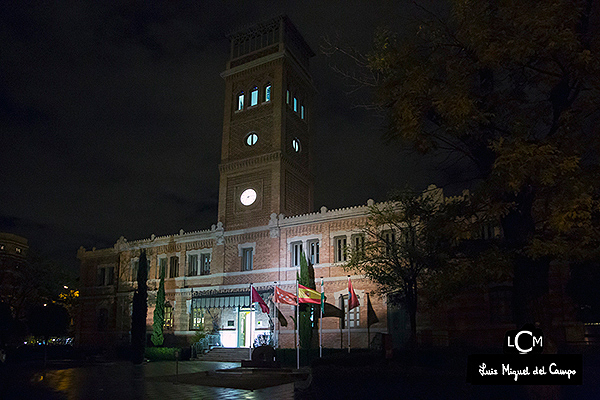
(122, 380)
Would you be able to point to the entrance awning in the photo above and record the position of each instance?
(226, 299)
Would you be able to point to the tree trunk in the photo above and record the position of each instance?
(411, 306)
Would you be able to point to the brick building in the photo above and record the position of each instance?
(265, 217)
(265, 221)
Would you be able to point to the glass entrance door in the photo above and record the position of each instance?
(243, 328)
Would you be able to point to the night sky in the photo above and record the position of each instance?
(111, 115)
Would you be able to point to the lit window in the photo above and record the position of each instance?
(247, 259)
(296, 145)
(240, 101)
(295, 104)
(268, 92)
(340, 249)
(1, 247)
(296, 254)
(302, 112)
(314, 252)
(197, 319)
(287, 97)
(251, 139)
(18, 250)
(168, 315)
(254, 96)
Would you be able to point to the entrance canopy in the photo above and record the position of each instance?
(226, 298)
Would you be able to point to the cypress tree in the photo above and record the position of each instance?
(140, 310)
(159, 313)
(307, 278)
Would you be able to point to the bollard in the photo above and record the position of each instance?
(177, 366)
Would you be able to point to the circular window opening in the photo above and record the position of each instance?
(296, 145)
(251, 139)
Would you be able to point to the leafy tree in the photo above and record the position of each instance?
(139, 312)
(27, 283)
(307, 316)
(159, 313)
(511, 91)
(404, 242)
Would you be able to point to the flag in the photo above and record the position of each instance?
(352, 299)
(322, 298)
(332, 311)
(281, 296)
(257, 299)
(343, 310)
(307, 295)
(371, 316)
(281, 318)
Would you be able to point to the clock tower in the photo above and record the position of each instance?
(265, 155)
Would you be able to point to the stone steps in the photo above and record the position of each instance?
(225, 354)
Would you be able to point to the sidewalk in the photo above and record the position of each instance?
(122, 380)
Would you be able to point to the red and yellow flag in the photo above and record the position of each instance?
(307, 295)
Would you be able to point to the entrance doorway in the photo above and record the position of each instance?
(244, 330)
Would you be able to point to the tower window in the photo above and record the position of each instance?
(296, 145)
(240, 101)
(268, 92)
(295, 104)
(251, 139)
(302, 112)
(254, 96)
(287, 97)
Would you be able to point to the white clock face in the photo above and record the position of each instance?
(248, 197)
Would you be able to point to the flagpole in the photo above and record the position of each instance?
(321, 323)
(349, 297)
(250, 331)
(368, 324)
(276, 317)
(297, 325)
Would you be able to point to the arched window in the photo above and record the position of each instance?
(302, 112)
(268, 92)
(295, 104)
(240, 105)
(254, 96)
(287, 96)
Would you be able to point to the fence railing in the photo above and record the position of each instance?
(205, 344)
